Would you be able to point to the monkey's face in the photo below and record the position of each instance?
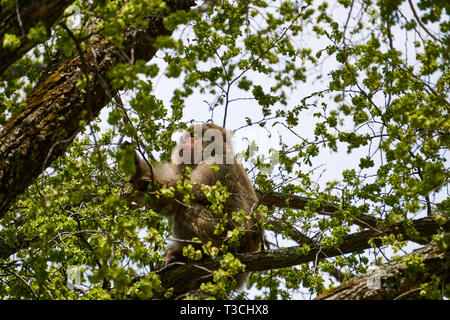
(187, 148)
(200, 143)
(186, 143)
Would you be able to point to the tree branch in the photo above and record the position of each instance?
(19, 19)
(419, 21)
(269, 199)
(280, 200)
(395, 280)
(187, 277)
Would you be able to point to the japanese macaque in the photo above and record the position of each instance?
(207, 150)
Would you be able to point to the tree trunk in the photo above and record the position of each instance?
(20, 19)
(55, 109)
(395, 280)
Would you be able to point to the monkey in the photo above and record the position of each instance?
(206, 149)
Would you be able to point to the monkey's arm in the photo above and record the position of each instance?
(204, 174)
(166, 175)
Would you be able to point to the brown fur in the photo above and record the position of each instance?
(195, 219)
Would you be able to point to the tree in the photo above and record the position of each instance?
(422, 270)
(367, 82)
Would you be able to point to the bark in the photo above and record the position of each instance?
(188, 276)
(281, 200)
(57, 106)
(20, 19)
(395, 280)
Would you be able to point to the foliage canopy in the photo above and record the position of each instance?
(357, 92)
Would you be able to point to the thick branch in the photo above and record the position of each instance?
(395, 280)
(58, 105)
(281, 200)
(188, 276)
(20, 19)
(269, 199)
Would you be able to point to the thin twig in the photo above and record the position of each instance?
(19, 19)
(407, 293)
(421, 24)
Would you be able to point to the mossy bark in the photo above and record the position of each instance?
(19, 19)
(58, 105)
(395, 280)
